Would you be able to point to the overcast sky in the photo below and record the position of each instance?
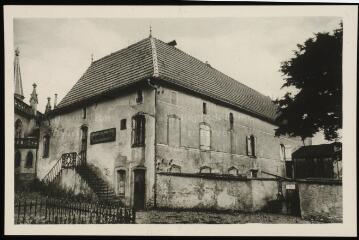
(54, 53)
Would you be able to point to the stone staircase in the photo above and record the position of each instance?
(75, 161)
(102, 190)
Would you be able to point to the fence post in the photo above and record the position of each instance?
(23, 219)
(35, 205)
(18, 212)
(134, 215)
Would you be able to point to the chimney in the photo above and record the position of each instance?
(33, 99)
(207, 63)
(172, 43)
(48, 105)
(55, 101)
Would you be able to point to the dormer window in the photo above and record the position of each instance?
(139, 97)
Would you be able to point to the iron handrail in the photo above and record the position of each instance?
(59, 165)
(54, 171)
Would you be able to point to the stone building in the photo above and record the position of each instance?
(150, 122)
(26, 126)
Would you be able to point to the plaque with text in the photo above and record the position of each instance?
(107, 135)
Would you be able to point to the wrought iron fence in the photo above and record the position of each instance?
(56, 211)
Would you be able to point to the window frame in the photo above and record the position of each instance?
(251, 145)
(84, 113)
(204, 108)
(123, 124)
(119, 172)
(138, 131)
(139, 96)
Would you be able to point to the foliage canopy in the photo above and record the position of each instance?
(316, 74)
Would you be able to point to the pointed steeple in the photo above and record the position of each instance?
(33, 99)
(17, 76)
(48, 105)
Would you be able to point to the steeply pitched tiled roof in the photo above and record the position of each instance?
(135, 63)
(113, 71)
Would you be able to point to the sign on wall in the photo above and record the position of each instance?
(107, 135)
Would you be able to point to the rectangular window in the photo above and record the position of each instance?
(139, 98)
(138, 130)
(205, 137)
(123, 124)
(121, 182)
(204, 108)
(84, 113)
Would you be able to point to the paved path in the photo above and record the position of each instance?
(171, 217)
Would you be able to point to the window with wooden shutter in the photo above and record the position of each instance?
(205, 137)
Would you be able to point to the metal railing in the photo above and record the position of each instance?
(67, 160)
(28, 143)
(69, 211)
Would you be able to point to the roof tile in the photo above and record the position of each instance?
(135, 63)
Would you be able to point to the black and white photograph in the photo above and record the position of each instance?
(136, 116)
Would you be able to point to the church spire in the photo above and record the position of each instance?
(33, 99)
(17, 76)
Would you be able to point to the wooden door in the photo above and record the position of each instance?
(139, 189)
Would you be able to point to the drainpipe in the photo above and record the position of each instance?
(155, 147)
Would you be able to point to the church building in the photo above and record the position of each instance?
(152, 126)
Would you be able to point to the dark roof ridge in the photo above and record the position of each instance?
(212, 68)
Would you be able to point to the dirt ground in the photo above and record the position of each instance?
(173, 217)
